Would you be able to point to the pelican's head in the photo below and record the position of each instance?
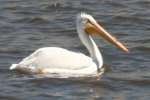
(87, 25)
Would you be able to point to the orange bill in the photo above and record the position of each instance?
(93, 28)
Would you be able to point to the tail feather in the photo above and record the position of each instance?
(13, 66)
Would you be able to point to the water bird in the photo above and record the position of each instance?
(60, 61)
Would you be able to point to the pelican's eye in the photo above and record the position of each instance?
(85, 21)
(88, 21)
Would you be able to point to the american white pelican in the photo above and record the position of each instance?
(55, 60)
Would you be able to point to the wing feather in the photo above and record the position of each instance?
(54, 57)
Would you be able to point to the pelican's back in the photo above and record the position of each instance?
(52, 58)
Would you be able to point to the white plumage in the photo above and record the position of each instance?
(55, 60)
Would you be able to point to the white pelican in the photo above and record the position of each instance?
(55, 60)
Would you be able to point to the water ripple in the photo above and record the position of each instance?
(26, 25)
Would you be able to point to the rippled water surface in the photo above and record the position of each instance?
(26, 25)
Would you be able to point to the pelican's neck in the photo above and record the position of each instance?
(95, 53)
(92, 48)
